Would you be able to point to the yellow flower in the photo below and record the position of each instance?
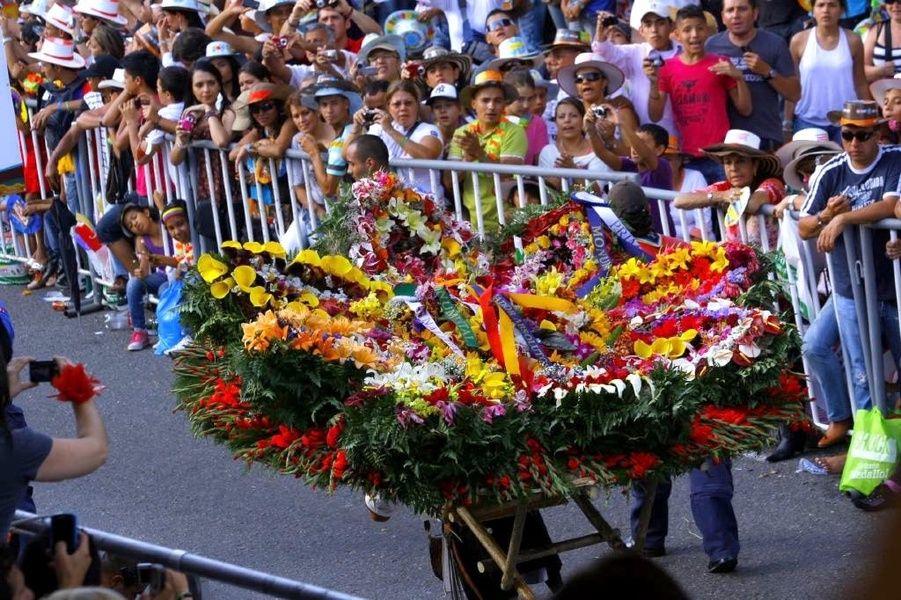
(720, 263)
(220, 289)
(680, 257)
(451, 247)
(254, 247)
(259, 296)
(244, 276)
(549, 283)
(259, 334)
(309, 299)
(231, 244)
(703, 248)
(336, 265)
(307, 257)
(631, 269)
(274, 249)
(210, 268)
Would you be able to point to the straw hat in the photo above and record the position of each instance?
(61, 17)
(259, 14)
(711, 20)
(745, 143)
(105, 10)
(117, 81)
(331, 86)
(820, 153)
(567, 38)
(857, 113)
(879, 88)
(184, 6)
(437, 55)
(514, 49)
(260, 92)
(416, 35)
(587, 60)
(811, 137)
(59, 52)
(485, 79)
(392, 43)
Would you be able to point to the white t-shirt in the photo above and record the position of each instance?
(297, 173)
(300, 72)
(590, 162)
(421, 180)
(692, 181)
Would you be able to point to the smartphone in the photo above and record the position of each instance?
(152, 576)
(64, 528)
(250, 4)
(40, 371)
(368, 71)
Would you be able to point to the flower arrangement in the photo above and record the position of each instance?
(486, 376)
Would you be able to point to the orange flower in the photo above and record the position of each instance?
(259, 334)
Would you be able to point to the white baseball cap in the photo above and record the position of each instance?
(442, 91)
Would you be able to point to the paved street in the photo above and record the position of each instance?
(800, 538)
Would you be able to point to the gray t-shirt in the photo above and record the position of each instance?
(765, 120)
(21, 453)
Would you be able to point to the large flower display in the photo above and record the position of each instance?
(430, 368)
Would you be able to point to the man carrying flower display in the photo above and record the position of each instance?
(488, 139)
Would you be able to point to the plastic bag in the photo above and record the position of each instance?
(168, 321)
(873, 453)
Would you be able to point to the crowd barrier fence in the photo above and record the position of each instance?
(290, 218)
(191, 564)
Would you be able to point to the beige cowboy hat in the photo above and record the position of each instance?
(745, 143)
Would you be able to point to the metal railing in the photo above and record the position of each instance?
(191, 564)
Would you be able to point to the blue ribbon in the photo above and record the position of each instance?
(525, 329)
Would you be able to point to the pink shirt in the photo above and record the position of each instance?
(536, 136)
(698, 98)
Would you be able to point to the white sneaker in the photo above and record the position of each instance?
(180, 346)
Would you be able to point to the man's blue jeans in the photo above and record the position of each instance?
(819, 348)
(711, 507)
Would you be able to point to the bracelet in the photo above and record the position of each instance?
(820, 221)
(7, 40)
(710, 197)
(184, 595)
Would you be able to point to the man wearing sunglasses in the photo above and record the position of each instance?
(499, 26)
(858, 186)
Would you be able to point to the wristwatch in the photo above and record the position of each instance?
(770, 75)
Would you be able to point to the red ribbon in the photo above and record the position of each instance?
(489, 318)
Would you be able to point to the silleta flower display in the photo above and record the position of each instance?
(431, 368)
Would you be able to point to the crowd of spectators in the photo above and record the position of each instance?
(733, 104)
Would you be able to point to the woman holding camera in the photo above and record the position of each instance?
(572, 150)
(404, 133)
(27, 455)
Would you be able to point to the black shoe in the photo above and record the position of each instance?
(722, 565)
(653, 552)
(791, 443)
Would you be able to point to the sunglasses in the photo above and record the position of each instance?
(513, 64)
(860, 136)
(588, 77)
(500, 24)
(261, 107)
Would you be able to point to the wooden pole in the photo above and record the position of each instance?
(525, 592)
(609, 534)
(519, 522)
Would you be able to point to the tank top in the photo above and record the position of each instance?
(886, 51)
(827, 79)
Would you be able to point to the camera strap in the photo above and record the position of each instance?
(412, 130)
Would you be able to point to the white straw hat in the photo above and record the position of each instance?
(61, 17)
(59, 52)
(106, 10)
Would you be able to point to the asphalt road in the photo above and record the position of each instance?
(800, 538)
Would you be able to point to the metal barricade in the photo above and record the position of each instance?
(192, 564)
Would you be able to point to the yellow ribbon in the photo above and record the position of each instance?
(543, 302)
(508, 343)
(65, 165)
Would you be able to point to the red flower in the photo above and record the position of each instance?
(334, 433)
(438, 395)
(640, 463)
(665, 329)
(313, 439)
(340, 464)
(285, 437)
(727, 415)
(75, 385)
(573, 463)
(701, 434)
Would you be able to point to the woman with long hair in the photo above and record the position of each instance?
(830, 61)
(882, 45)
(572, 149)
(209, 118)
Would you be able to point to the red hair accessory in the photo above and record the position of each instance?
(75, 385)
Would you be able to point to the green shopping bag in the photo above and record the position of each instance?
(873, 453)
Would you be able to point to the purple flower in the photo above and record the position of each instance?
(407, 416)
(448, 411)
(490, 412)
(521, 400)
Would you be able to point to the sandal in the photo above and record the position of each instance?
(833, 465)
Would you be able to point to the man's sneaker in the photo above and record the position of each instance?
(180, 346)
(139, 341)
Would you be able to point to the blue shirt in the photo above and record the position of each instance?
(862, 187)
